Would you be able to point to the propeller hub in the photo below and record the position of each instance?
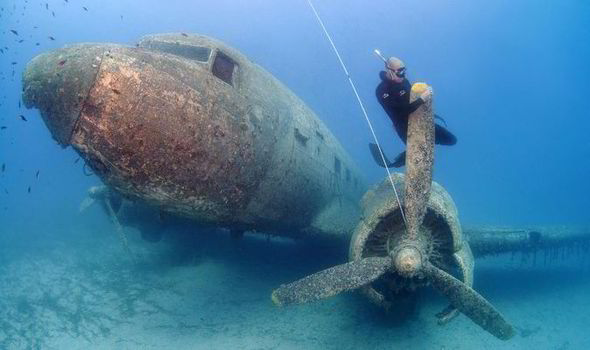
(408, 261)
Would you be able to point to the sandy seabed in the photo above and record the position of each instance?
(210, 292)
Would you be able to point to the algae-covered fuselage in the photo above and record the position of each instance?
(191, 126)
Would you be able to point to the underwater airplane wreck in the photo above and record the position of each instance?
(183, 127)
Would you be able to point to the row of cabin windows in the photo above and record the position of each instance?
(224, 68)
(338, 169)
(302, 139)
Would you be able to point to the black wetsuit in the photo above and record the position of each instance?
(395, 99)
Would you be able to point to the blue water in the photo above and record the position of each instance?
(509, 77)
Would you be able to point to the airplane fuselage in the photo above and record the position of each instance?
(191, 126)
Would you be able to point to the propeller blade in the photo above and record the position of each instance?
(332, 281)
(469, 302)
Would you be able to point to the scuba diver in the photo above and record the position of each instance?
(393, 93)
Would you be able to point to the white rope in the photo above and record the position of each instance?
(362, 108)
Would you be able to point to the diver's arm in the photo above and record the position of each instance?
(412, 107)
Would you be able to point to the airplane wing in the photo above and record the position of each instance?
(491, 240)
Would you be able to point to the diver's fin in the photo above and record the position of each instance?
(436, 116)
(399, 161)
(377, 156)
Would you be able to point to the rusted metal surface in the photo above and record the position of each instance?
(241, 152)
(57, 83)
(382, 226)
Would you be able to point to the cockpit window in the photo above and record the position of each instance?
(224, 67)
(197, 53)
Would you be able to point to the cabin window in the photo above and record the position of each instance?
(337, 166)
(300, 137)
(224, 67)
(319, 135)
(197, 53)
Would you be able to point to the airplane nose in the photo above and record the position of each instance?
(58, 82)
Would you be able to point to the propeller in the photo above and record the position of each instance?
(356, 274)
(408, 258)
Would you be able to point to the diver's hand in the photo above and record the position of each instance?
(426, 95)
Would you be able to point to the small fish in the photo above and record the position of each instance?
(84, 7)
(19, 104)
(183, 34)
(66, 0)
(50, 37)
(3, 127)
(22, 117)
(116, 91)
(53, 13)
(29, 189)
(77, 160)
(13, 63)
(2, 51)
(46, 6)
(121, 17)
(35, 27)
(3, 167)
(14, 32)
(62, 62)
(37, 174)
(21, 40)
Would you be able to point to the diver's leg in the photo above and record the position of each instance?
(443, 136)
(399, 161)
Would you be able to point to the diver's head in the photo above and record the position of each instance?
(395, 69)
